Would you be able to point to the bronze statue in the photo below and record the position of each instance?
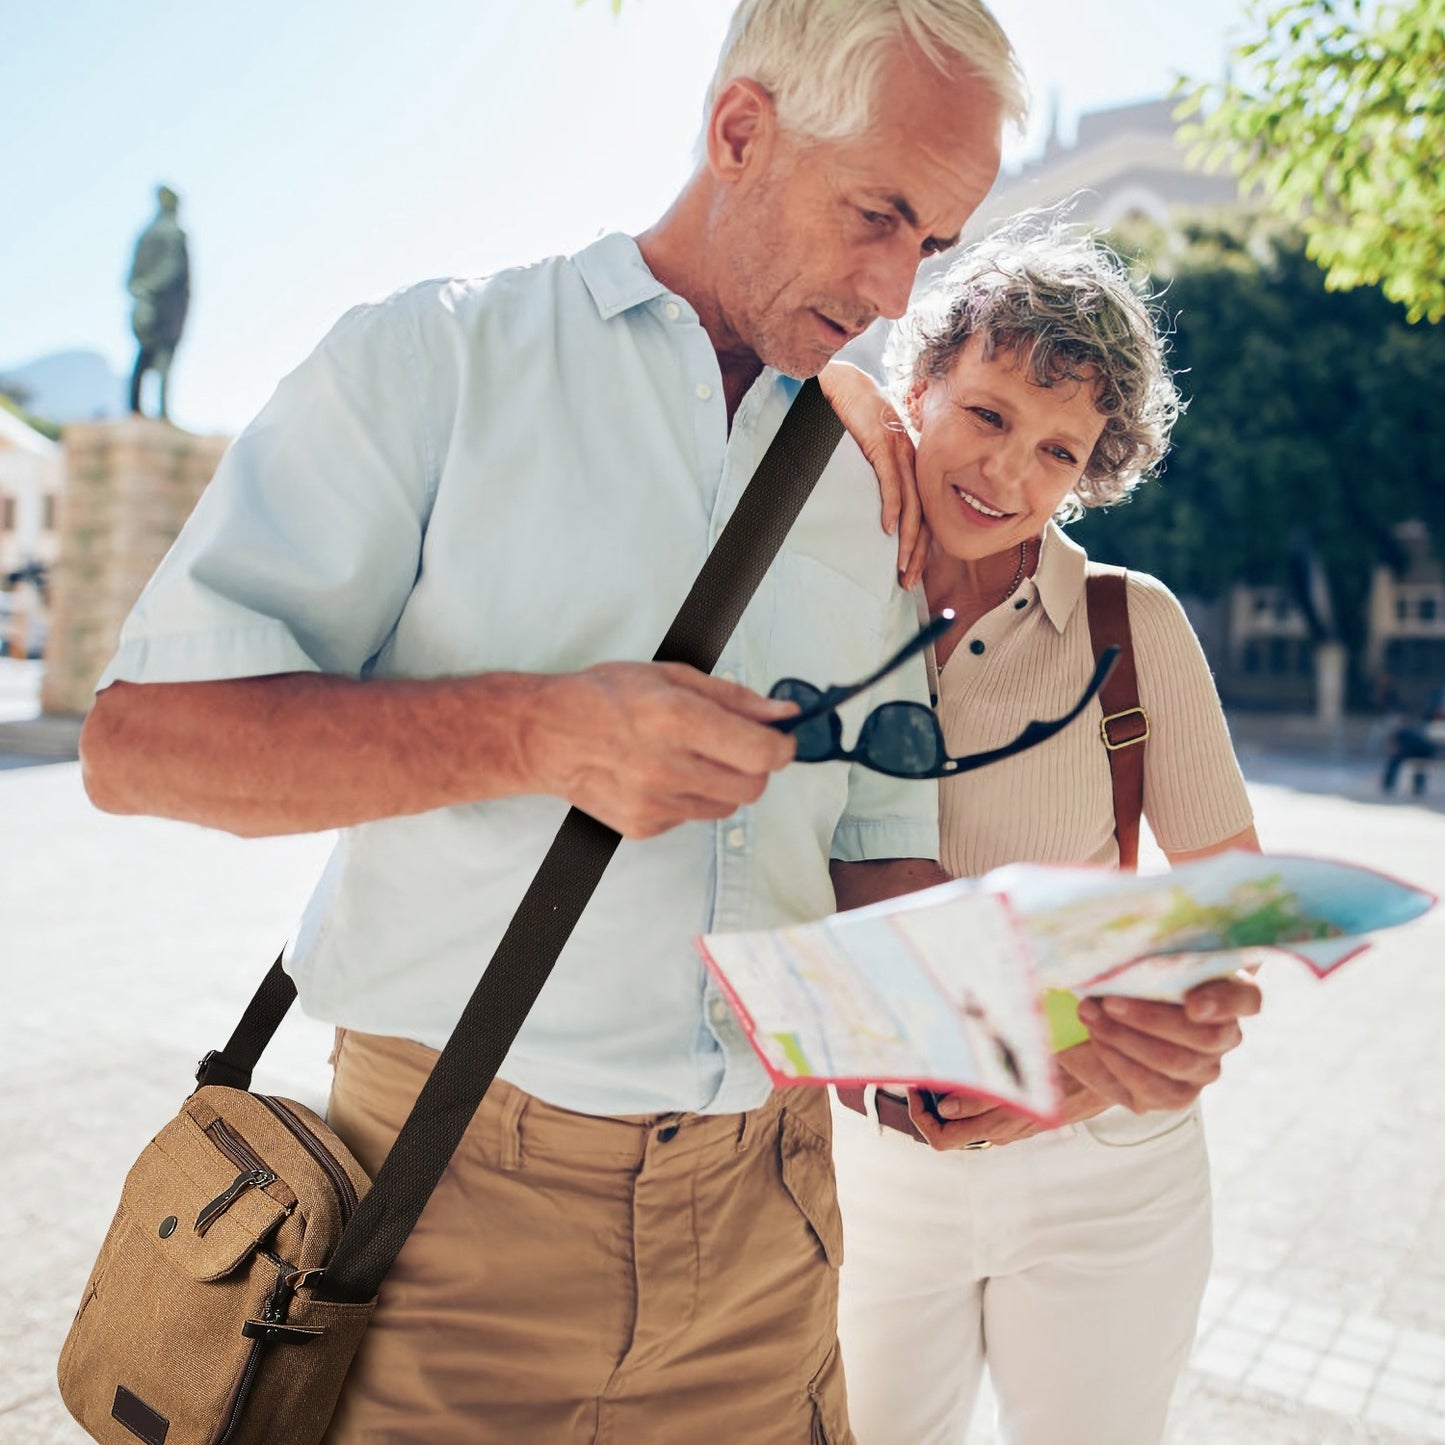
(160, 281)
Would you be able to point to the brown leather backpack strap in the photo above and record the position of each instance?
(1125, 726)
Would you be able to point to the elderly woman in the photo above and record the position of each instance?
(1070, 1260)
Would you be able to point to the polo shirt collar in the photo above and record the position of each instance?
(614, 272)
(1059, 577)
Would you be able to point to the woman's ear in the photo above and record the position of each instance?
(913, 402)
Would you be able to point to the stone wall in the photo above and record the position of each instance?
(129, 486)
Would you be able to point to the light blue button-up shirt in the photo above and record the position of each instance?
(525, 473)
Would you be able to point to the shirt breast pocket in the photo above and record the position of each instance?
(830, 631)
(826, 629)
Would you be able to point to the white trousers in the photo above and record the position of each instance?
(1073, 1263)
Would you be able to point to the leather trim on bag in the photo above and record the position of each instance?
(139, 1418)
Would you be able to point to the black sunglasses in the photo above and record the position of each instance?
(903, 739)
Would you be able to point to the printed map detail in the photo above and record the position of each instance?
(942, 988)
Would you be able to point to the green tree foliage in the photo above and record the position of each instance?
(1307, 409)
(1341, 121)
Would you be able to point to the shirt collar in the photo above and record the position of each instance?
(1059, 577)
(615, 273)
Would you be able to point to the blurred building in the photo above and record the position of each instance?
(30, 482)
(1125, 163)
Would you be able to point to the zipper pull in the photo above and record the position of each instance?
(245, 1180)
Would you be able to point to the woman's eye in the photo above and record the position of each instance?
(1063, 455)
(874, 218)
(989, 418)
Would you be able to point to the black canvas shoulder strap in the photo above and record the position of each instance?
(558, 893)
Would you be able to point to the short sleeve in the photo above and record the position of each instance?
(891, 817)
(304, 548)
(1194, 794)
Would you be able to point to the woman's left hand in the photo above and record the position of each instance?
(883, 439)
(973, 1120)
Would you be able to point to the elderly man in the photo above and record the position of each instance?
(411, 606)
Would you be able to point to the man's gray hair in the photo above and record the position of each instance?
(821, 60)
(1064, 303)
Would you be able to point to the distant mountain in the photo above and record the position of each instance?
(69, 386)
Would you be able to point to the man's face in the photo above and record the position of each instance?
(828, 235)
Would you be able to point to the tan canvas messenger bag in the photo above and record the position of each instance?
(243, 1263)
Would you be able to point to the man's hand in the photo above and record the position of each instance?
(645, 746)
(969, 1119)
(1148, 1055)
(881, 436)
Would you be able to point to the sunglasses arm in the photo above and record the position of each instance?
(1039, 732)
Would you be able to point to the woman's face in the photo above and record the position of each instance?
(997, 453)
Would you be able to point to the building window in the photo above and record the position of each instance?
(1427, 609)
(47, 513)
(7, 514)
(1402, 610)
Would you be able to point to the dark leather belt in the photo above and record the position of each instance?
(891, 1111)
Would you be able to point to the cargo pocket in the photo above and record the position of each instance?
(807, 1170)
(829, 1396)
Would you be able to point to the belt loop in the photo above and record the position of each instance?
(509, 1130)
(870, 1107)
(755, 1121)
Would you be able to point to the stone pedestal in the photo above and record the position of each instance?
(129, 486)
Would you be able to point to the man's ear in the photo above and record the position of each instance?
(741, 130)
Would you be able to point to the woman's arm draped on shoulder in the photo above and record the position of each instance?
(875, 425)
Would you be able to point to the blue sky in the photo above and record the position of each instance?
(328, 151)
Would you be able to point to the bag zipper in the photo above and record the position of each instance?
(254, 1172)
(275, 1310)
(341, 1181)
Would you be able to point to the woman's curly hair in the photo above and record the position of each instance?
(1057, 297)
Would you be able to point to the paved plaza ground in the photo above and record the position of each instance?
(130, 945)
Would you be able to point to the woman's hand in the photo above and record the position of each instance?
(1149, 1055)
(881, 436)
(969, 1119)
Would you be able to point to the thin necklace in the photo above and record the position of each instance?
(1018, 574)
(1012, 587)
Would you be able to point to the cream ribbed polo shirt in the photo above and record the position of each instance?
(1030, 658)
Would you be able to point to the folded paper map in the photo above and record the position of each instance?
(942, 989)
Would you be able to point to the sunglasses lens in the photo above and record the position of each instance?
(902, 738)
(815, 737)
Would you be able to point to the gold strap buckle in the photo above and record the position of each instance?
(1131, 736)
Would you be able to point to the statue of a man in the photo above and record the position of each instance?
(160, 281)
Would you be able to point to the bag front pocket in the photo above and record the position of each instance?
(155, 1343)
(157, 1349)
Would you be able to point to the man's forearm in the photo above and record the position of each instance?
(856, 884)
(303, 752)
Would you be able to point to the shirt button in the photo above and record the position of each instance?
(719, 1012)
(672, 310)
(976, 646)
(667, 1133)
(1022, 602)
(736, 837)
(704, 391)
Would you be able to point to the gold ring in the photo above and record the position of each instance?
(980, 1144)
